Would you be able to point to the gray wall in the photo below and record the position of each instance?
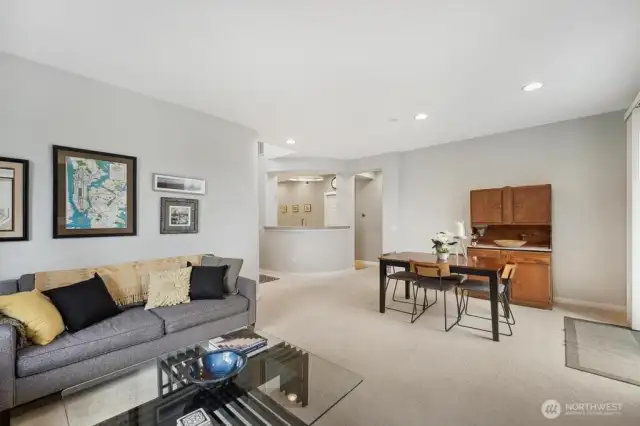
(41, 106)
(368, 229)
(583, 160)
(301, 193)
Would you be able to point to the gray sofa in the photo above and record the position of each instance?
(131, 337)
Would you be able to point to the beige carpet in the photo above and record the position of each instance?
(416, 374)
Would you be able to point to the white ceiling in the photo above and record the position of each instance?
(331, 73)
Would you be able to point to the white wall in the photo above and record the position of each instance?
(633, 219)
(583, 160)
(301, 193)
(41, 106)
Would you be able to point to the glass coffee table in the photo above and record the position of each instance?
(281, 385)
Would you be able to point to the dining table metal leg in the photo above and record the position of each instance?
(495, 316)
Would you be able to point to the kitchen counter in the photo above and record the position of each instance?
(523, 248)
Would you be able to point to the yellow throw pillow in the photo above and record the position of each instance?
(168, 288)
(36, 312)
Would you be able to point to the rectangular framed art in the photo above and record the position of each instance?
(183, 185)
(94, 193)
(178, 216)
(14, 199)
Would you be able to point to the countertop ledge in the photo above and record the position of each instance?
(303, 228)
(524, 248)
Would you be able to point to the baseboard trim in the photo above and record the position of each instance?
(586, 304)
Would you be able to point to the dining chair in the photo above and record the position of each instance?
(481, 286)
(438, 277)
(397, 275)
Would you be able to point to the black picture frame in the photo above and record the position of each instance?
(167, 226)
(23, 231)
(59, 193)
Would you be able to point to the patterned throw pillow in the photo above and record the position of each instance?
(168, 288)
(23, 341)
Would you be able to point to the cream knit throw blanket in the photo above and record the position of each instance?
(128, 283)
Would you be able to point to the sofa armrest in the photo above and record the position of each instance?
(8, 339)
(247, 288)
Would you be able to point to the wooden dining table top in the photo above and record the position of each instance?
(471, 262)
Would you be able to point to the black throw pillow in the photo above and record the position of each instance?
(207, 282)
(83, 304)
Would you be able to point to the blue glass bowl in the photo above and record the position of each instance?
(216, 367)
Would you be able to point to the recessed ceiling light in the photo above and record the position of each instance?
(290, 141)
(535, 85)
(421, 116)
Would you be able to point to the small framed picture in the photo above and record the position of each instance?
(184, 185)
(307, 208)
(178, 216)
(283, 209)
(295, 208)
(14, 199)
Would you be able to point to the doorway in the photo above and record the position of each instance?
(330, 209)
(368, 218)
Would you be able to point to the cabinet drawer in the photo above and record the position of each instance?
(530, 257)
(483, 252)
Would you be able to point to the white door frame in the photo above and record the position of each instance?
(326, 198)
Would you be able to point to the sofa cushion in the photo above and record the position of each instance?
(197, 312)
(131, 327)
(36, 312)
(83, 304)
(233, 272)
(207, 282)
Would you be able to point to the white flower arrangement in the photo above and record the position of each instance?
(442, 242)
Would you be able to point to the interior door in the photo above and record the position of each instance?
(331, 209)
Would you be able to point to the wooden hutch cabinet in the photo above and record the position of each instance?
(518, 213)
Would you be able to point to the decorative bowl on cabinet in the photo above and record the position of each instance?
(510, 243)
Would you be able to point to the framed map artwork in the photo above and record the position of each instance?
(14, 199)
(94, 193)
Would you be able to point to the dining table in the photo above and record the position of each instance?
(458, 264)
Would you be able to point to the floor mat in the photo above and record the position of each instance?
(267, 278)
(604, 349)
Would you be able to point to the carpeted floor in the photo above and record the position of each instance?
(416, 374)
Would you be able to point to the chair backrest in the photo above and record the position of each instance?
(430, 269)
(508, 270)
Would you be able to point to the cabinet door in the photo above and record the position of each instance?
(531, 284)
(486, 206)
(531, 204)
